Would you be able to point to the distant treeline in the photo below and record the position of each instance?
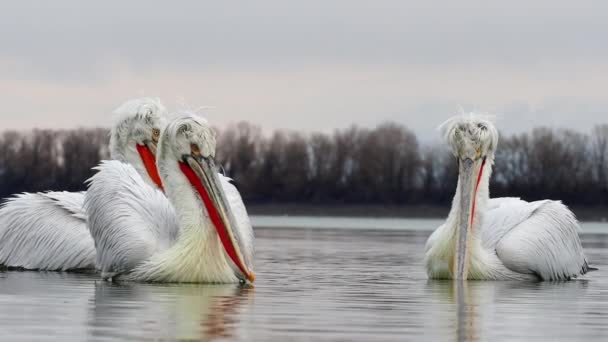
(351, 166)
(49, 160)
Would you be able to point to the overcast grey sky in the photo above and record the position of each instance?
(310, 65)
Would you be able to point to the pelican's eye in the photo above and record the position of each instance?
(155, 134)
(195, 150)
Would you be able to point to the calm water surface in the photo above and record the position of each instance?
(315, 285)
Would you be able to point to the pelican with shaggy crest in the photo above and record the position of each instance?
(47, 230)
(502, 238)
(194, 234)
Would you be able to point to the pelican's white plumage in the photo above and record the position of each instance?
(502, 238)
(129, 219)
(142, 235)
(47, 231)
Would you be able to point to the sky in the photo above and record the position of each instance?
(313, 65)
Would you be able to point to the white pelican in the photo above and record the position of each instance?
(47, 231)
(503, 238)
(195, 234)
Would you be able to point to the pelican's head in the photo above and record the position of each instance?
(471, 137)
(473, 141)
(135, 134)
(190, 141)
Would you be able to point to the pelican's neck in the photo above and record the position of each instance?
(466, 216)
(124, 149)
(481, 199)
(191, 213)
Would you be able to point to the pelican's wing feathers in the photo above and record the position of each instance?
(538, 238)
(128, 219)
(45, 231)
(72, 202)
(502, 215)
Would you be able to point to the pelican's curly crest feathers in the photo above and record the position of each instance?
(133, 123)
(479, 127)
(464, 117)
(194, 129)
(140, 108)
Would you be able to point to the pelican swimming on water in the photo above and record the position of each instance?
(503, 238)
(194, 234)
(47, 230)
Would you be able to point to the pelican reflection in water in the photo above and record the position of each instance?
(168, 311)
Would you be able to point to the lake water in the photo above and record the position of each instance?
(315, 284)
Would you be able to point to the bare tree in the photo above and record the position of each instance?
(324, 173)
(239, 148)
(388, 160)
(439, 174)
(599, 148)
(81, 148)
(346, 166)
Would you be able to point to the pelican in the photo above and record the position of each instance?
(502, 238)
(47, 230)
(194, 234)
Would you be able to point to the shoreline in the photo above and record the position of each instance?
(584, 214)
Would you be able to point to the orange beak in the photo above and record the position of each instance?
(203, 177)
(149, 160)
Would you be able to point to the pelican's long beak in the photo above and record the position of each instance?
(202, 174)
(469, 176)
(147, 153)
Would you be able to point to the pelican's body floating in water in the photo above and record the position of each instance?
(502, 238)
(199, 232)
(47, 231)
